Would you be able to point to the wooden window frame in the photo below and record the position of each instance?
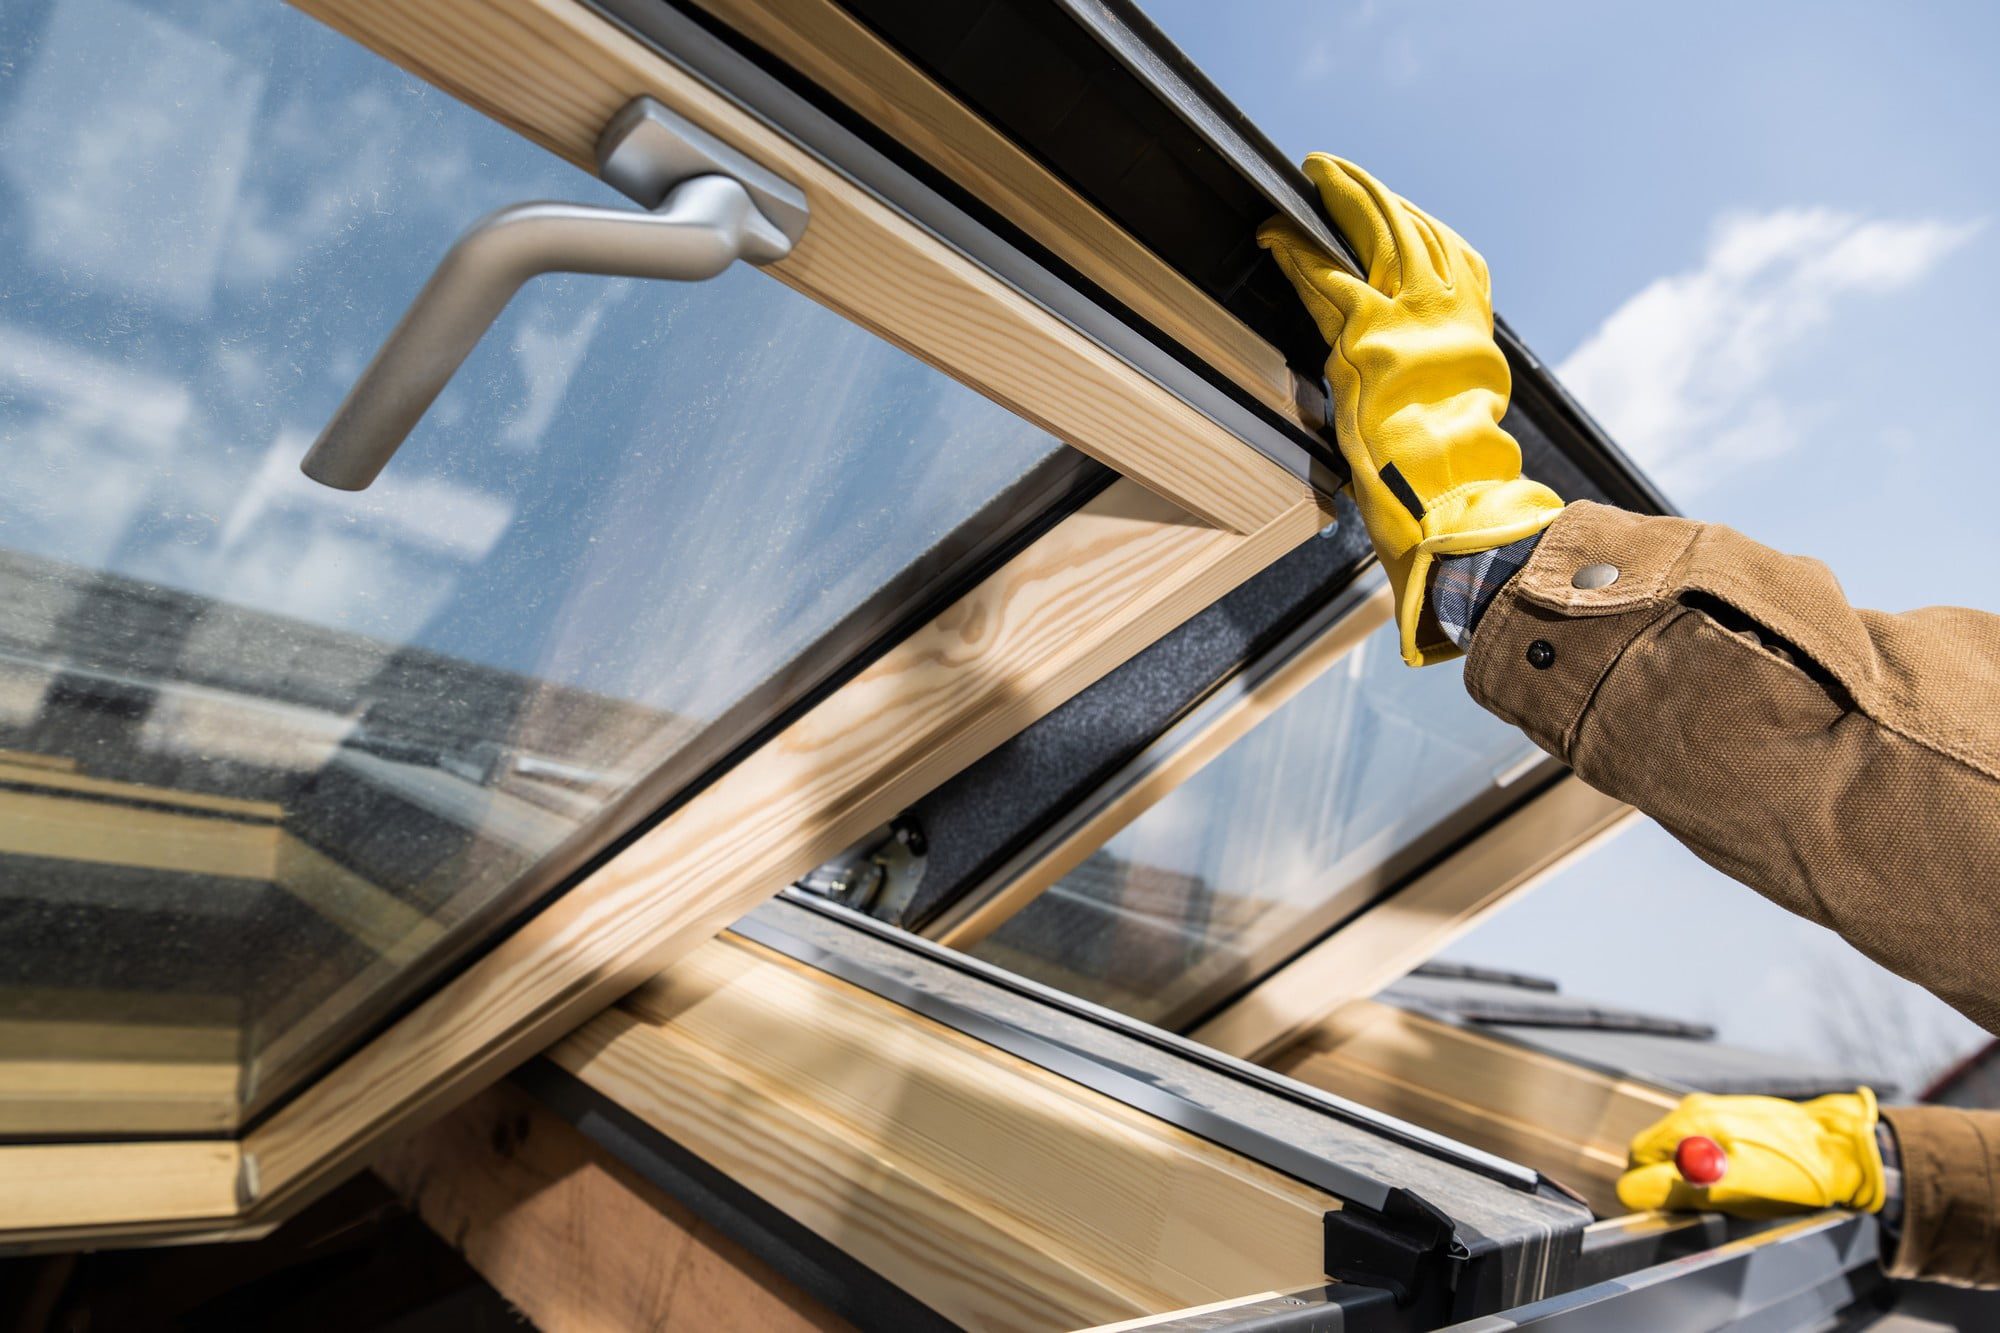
(837, 52)
(1197, 511)
(1104, 582)
(556, 72)
(998, 1194)
(889, 1121)
(575, 1239)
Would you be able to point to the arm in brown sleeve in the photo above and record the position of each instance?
(1951, 1176)
(1844, 763)
(1850, 774)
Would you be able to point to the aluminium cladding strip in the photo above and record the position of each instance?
(1515, 1239)
(1800, 1274)
(687, 44)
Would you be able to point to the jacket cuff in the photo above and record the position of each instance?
(1951, 1219)
(1598, 579)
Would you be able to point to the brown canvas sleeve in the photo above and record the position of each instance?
(1951, 1176)
(1844, 763)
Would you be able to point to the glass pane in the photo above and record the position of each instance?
(271, 747)
(1324, 803)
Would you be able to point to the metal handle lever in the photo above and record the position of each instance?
(708, 208)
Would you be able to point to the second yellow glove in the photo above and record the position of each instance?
(1783, 1157)
(1419, 387)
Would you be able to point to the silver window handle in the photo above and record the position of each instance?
(707, 206)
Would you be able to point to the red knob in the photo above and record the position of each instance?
(1701, 1160)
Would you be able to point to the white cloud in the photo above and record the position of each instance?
(1682, 373)
(378, 562)
(129, 143)
(144, 411)
(548, 350)
(82, 435)
(422, 513)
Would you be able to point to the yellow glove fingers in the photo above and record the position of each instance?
(1466, 262)
(1418, 387)
(1660, 1186)
(1657, 1141)
(1330, 293)
(1645, 1188)
(1427, 230)
(1367, 215)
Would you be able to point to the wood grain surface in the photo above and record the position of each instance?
(835, 51)
(573, 1239)
(1571, 1122)
(71, 1192)
(1001, 1195)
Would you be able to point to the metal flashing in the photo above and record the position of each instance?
(1797, 1275)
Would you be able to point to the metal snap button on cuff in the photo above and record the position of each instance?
(1595, 576)
(1541, 655)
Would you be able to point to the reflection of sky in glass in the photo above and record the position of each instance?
(1277, 833)
(636, 505)
(210, 215)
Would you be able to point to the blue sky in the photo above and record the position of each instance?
(1762, 242)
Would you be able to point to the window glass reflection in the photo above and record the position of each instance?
(264, 746)
(1303, 821)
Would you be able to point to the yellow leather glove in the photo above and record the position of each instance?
(1419, 387)
(1783, 1157)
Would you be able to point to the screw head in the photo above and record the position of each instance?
(1541, 654)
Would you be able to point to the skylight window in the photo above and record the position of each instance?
(273, 752)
